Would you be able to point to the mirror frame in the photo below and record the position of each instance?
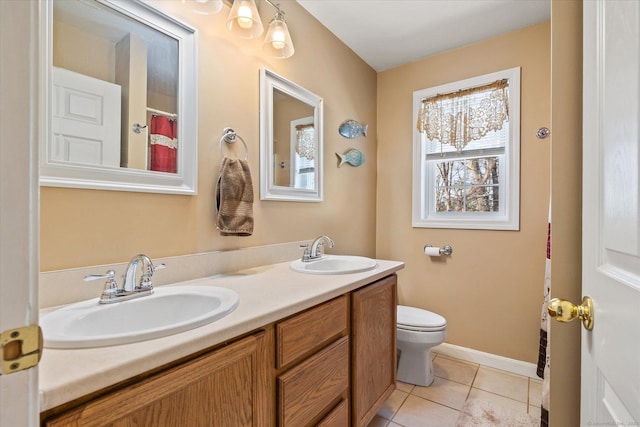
(269, 81)
(59, 174)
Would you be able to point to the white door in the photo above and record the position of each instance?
(86, 119)
(611, 204)
(18, 203)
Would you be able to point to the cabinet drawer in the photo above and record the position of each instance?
(309, 388)
(311, 330)
(338, 417)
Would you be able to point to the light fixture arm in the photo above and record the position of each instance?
(276, 6)
(279, 12)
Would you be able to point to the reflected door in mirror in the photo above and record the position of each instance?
(119, 111)
(86, 119)
(93, 43)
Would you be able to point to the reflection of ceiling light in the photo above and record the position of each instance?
(277, 42)
(206, 7)
(244, 19)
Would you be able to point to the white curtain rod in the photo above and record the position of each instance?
(164, 113)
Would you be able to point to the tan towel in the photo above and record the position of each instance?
(234, 198)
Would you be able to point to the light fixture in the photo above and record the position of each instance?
(245, 22)
(277, 42)
(206, 7)
(244, 19)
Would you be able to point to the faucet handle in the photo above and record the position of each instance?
(110, 286)
(306, 255)
(145, 280)
(109, 275)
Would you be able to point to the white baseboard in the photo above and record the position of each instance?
(492, 360)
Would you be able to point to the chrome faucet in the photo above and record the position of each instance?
(145, 278)
(130, 289)
(314, 252)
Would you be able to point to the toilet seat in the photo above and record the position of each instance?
(419, 320)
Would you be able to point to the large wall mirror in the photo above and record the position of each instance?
(119, 98)
(290, 141)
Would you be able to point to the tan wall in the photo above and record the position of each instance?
(98, 59)
(490, 290)
(84, 227)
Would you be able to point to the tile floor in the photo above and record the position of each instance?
(456, 381)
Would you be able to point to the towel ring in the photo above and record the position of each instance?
(229, 136)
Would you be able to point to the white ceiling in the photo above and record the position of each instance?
(389, 33)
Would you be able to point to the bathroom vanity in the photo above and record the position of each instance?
(299, 350)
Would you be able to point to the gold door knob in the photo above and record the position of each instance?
(566, 311)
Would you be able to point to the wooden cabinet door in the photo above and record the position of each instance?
(373, 348)
(228, 388)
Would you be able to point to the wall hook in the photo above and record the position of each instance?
(543, 133)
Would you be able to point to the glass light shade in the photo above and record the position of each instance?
(277, 43)
(206, 7)
(244, 19)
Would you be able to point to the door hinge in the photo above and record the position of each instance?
(21, 348)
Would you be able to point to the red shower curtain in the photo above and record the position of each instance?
(164, 145)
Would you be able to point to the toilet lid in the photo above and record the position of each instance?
(417, 319)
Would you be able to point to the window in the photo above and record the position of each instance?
(466, 168)
(303, 153)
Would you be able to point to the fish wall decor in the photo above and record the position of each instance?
(352, 129)
(353, 157)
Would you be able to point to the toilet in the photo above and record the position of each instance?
(417, 332)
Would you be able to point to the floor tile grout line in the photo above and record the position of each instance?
(428, 400)
(413, 388)
(439, 403)
(500, 395)
(401, 403)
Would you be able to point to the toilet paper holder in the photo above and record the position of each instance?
(444, 250)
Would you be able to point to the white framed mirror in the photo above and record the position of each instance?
(119, 98)
(291, 136)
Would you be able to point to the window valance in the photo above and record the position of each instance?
(460, 117)
(305, 141)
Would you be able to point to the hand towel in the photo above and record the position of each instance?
(234, 198)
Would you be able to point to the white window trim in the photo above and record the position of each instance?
(510, 218)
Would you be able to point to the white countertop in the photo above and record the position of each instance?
(267, 294)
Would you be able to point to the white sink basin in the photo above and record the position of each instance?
(169, 310)
(335, 264)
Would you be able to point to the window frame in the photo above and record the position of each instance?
(423, 198)
(295, 157)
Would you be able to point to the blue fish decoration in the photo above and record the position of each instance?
(353, 157)
(352, 129)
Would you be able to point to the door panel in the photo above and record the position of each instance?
(611, 249)
(18, 198)
(86, 119)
